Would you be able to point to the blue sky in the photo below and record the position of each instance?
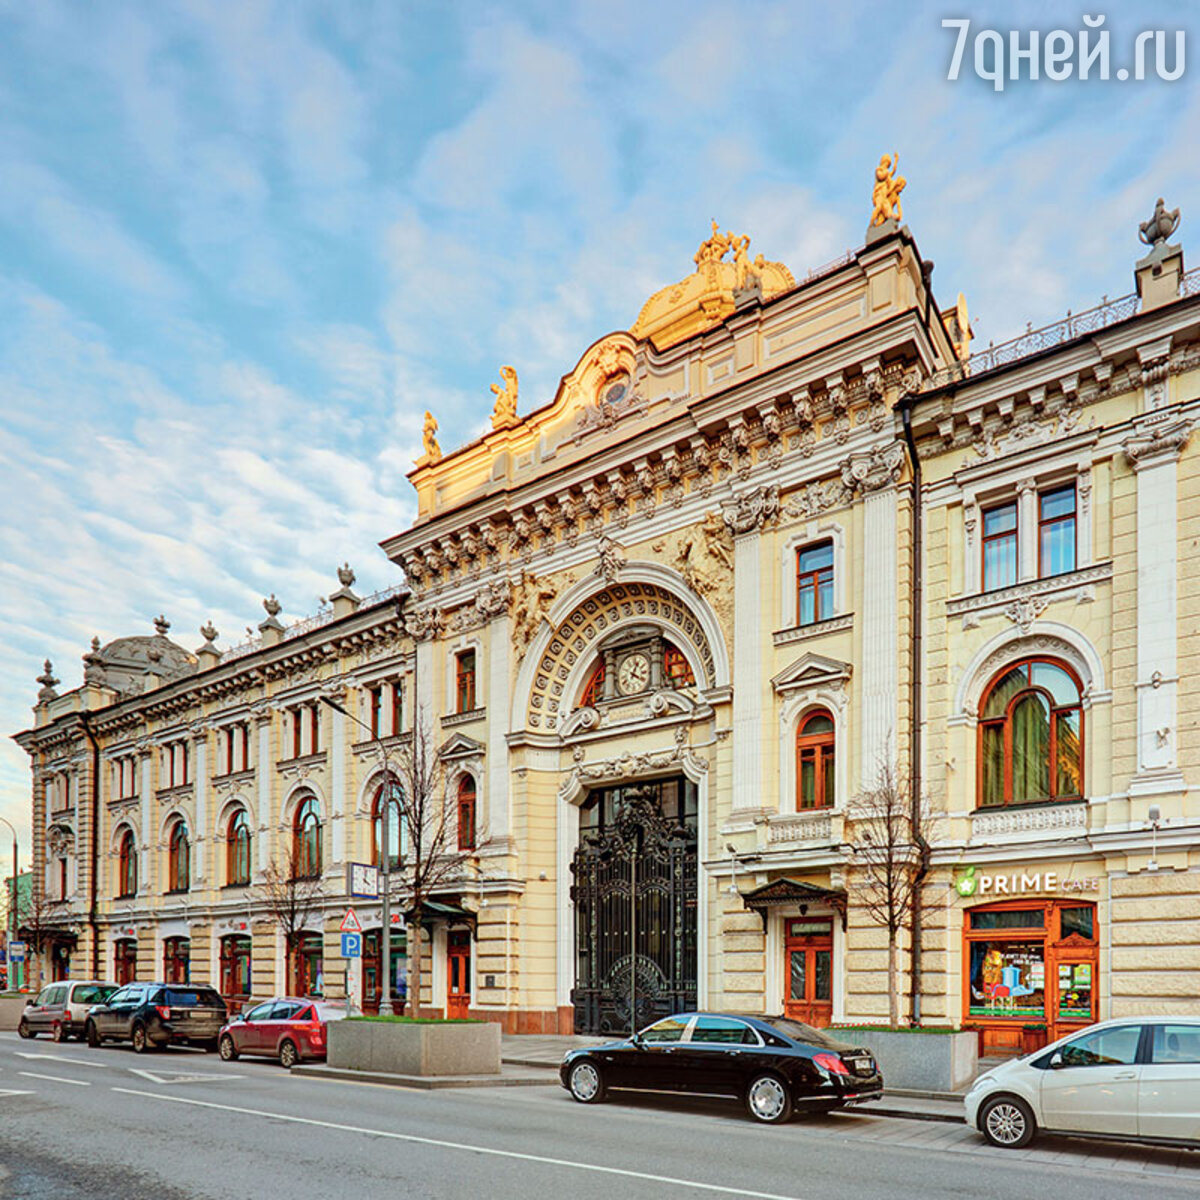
(244, 246)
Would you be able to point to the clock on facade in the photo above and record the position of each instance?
(633, 675)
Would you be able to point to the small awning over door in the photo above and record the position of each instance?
(793, 891)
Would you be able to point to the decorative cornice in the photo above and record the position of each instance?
(1019, 601)
(630, 766)
(1071, 819)
(750, 511)
(802, 633)
(1155, 444)
(877, 468)
(805, 827)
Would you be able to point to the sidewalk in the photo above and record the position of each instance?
(545, 1051)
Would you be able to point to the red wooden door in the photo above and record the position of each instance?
(809, 989)
(458, 980)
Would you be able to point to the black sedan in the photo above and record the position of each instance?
(775, 1065)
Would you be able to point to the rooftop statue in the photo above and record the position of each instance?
(1160, 226)
(885, 196)
(504, 414)
(433, 452)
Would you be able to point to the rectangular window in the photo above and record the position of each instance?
(1176, 1044)
(375, 696)
(465, 680)
(1056, 531)
(1013, 918)
(245, 764)
(314, 719)
(296, 733)
(814, 583)
(397, 708)
(1008, 979)
(1075, 991)
(1000, 546)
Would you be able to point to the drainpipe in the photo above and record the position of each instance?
(94, 846)
(915, 681)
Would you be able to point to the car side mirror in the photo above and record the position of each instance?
(636, 1039)
(1056, 1061)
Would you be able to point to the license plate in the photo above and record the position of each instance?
(863, 1065)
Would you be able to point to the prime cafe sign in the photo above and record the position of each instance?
(1017, 883)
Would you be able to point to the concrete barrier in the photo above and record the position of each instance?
(931, 1062)
(402, 1048)
(11, 1008)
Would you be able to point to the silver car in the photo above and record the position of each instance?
(60, 1009)
(1130, 1079)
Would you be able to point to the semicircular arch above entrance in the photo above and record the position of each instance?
(577, 635)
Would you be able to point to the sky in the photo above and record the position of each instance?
(245, 245)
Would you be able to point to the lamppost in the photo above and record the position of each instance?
(385, 996)
(12, 895)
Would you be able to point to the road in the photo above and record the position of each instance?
(79, 1123)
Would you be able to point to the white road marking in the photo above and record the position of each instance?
(55, 1078)
(14, 1092)
(424, 1141)
(79, 1062)
(169, 1077)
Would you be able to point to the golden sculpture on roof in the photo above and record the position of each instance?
(708, 296)
(885, 195)
(504, 415)
(433, 452)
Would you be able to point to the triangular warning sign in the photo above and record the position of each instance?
(350, 922)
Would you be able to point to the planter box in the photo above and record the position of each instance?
(927, 1062)
(11, 1008)
(398, 1048)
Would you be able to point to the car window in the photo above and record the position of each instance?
(285, 1010)
(305, 1014)
(723, 1030)
(670, 1030)
(258, 1012)
(1103, 1047)
(121, 995)
(43, 997)
(191, 997)
(331, 1012)
(91, 993)
(1176, 1044)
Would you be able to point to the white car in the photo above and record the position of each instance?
(1131, 1078)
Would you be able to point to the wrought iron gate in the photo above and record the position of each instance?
(634, 893)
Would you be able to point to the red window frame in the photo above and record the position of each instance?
(177, 960)
(1005, 722)
(677, 671)
(467, 798)
(1062, 519)
(179, 859)
(816, 580)
(819, 750)
(594, 689)
(396, 852)
(464, 680)
(237, 850)
(987, 539)
(306, 832)
(127, 866)
(236, 966)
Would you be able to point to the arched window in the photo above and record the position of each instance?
(395, 828)
(235, 967)
(595, 686)
(127, 871)
(178, 859)
(177, 960)
(237, 849)
(677, 671)
(306, 832)
(466, 813)
(1031, 736)
(814, 761)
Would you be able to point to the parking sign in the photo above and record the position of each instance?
(351, 945)
(16, 951)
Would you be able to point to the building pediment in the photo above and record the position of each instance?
(812, 671)
(460, 746)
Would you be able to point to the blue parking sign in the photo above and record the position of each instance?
(16, 951)
(351, 945)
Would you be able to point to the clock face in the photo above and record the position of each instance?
(633, 674)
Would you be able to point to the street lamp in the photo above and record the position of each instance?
(385, 997)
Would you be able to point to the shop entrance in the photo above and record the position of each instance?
(458, 977)
(809, 996)
(372, 970)
(1031, 971)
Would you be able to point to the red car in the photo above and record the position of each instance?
(285, 1028)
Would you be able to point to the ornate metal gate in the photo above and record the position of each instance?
(634, 892)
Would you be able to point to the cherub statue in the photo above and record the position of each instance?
(713, 249)
(433, 452)
(1160, 226)
(505, 412)
(885, 196)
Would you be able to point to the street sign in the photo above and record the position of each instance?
(16, 951)
(352, 945)
(350, 922)
(362, 881)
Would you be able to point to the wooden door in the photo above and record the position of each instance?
(808, 994)
(458, 966)
(372, 960)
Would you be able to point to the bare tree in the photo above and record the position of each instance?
(40, 921)
(432, 858)
(290, 896)
(888, 831)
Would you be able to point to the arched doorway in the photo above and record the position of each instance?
(635, 902)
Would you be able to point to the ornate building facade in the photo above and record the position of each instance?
(782, 547)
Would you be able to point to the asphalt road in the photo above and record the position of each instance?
(181, 1125)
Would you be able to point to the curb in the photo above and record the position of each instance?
(910, 1114)
(421, 1082)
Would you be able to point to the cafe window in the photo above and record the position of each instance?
(1031, 736)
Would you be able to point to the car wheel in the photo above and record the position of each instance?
(228, 1050)
(768, 1099)
(23, 1029)
(1007, 1122)
(93, 1037)
(141, 1043)
(289, 1056)
(586, 1083)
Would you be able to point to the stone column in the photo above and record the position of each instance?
(201, 838)
(1153, 452)
(874, 475)
(145, 876)
(264, 771)
(499, 659)
(338, 781)
(746, 517)
(1027, 530)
